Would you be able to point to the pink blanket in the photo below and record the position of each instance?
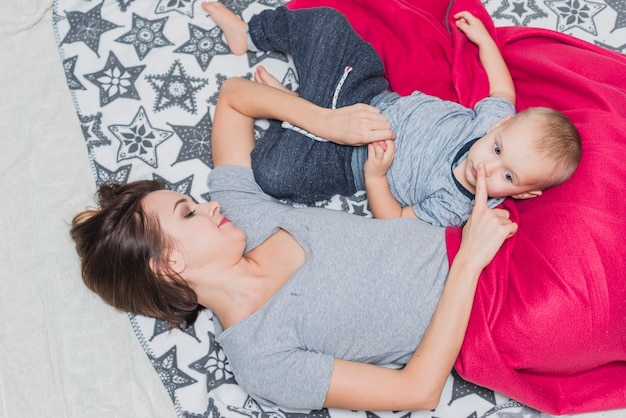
(548, 326)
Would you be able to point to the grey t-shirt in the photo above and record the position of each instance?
(366, 292)
(429, 134)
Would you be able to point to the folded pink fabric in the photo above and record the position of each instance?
(548, 327)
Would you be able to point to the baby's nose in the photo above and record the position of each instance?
(491, 166)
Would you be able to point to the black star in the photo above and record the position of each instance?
(145, 35)
(620, 7)
(104, 175)
(90, 126)
(461, 388)
(237, 6)
(252, 409)
(139, 139)
(183, 186)
(518, 8)
(167, 368)
(87, 27)
(520, 13)
(212, 411)
(204, 45)
(72, 82)
(184, 7)
(575, 13)
(215, 366)
(318, 413)
(175, 88)
(161, 327)
(196, 141)
(124, 4)
(115, 81)
(256, 57)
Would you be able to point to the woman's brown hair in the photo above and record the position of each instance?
(116, 244)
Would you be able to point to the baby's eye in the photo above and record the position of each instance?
(496, 149)
(508, 176)
(190, 214)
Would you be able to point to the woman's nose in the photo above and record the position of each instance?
(211, 208)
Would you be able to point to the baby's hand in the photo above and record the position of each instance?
(472, 27)
(379, 158)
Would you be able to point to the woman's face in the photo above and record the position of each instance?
(201, 236)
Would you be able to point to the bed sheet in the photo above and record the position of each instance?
(63, 352)
(66, 354)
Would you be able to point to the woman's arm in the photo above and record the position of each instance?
(351, 125)
(420, 383)
(500, 81)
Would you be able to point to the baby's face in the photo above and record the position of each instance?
(514, 167)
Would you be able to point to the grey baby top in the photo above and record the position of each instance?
(366, 293)
(429, 134)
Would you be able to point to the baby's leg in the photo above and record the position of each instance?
(262, 76)
(235, 29)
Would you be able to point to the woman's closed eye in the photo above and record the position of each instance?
(191, 214)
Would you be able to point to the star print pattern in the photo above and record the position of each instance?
(105, 176)
(184, 7)
(172, 377)
(87, 27)
(186, 62)
(255, 58)
(183, 186)
(162, 327)
(575, 14)
(145, 35)
(462, 388)
(620, 8)
(72, 81)
(196, 141)
(139, 139)
(115, 81)
(176, 88)
(520, 12)
(90, 126)
(215, 366)
(204, 45)
(252, 409)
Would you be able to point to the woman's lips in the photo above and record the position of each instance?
(224, 221)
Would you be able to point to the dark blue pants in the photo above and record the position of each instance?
(288, 164)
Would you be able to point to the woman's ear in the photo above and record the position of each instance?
(174, 264)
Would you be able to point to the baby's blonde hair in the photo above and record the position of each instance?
(556, 139)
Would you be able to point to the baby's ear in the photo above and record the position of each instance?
(527, 195)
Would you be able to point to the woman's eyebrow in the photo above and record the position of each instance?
(181, 200)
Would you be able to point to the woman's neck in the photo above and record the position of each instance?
(247, 287)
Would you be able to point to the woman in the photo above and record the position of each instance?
(308, 302)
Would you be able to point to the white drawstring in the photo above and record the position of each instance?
(288, 125)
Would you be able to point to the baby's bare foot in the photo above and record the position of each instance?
(261, 75)
(233, 27)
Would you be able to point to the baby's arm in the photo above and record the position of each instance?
(500, 81)
(351, 125)
(382, 203)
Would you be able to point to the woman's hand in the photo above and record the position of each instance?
(486, 229)
(357, 124)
